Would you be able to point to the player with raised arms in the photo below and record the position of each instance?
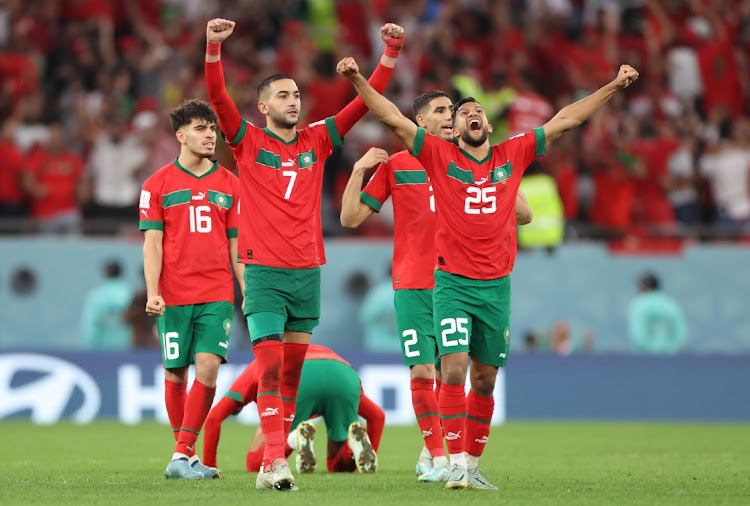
(475, 188)
(403, 178)
(280, 237)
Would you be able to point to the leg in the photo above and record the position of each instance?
(212, 428)
(175, 393)
(295, 348)
(340, 458)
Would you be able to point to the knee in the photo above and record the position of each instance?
(483, 385)
(423, 371)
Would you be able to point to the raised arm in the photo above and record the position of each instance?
(353, 210)
(393, 36)
(574, 114)
(230, 120)
(383, 109)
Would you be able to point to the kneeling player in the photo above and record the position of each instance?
(329, 387)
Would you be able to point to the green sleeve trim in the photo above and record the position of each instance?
(151, 225)
(235, 396)
(371, 201)
(232, 233)
(541, 141)
(418, 142)
(480, 420)
(240, 134)
(333, 132)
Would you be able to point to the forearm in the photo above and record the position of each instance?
(350, 203)
(356, 109)
(237, 267)
(152, 263)
(576, 113)
(229, 117)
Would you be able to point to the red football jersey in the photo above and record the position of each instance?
(406, 181)
(59, 174)
(245, 388)
(197, 215)
(280, 190)
(475, 201)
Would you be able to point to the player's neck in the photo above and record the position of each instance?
(477, 152)
(194, 164)
(285, 134)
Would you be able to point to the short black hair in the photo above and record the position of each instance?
(113, 269)
(186, 112)
(461, 102)
(423, 100)
(649, 281)
(268, 81)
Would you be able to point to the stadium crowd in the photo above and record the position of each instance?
(86, 86)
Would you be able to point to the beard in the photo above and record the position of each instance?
(466, 137)
(207, 154)
(281, 120)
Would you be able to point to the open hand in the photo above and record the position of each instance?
(218, 30)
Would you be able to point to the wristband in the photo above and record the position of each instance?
(391, 51)
(213, 48)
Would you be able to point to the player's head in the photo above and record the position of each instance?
(279, 100)
(470, 123)
(194, 124)
(432, 111)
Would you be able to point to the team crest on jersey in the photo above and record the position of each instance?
(227, 327)
(501, 174)
(306, 160)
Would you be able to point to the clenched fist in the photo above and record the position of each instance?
(626, 76)
(218, 30)
(348, 68)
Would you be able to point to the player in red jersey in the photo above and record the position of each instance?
(475, 190)
(188, 211)
(280, 239)
(403, 178)
(329, 387)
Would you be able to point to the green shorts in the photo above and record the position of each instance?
(473, 315)
(329, 388)
(195, 328)
(278, 299)
(416, 326)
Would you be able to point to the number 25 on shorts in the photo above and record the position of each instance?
(455, 325)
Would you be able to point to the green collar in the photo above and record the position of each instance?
(183, 169)
(271, 134)
(480, 162)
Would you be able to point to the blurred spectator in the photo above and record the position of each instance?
(103, 323)
(548, 225)
(145, 333)
(726, 168)
(52, 179)
(681, 181)
(656, 322)
(12, 197)
(378, 318)
(116, 161)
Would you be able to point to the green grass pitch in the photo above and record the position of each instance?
(532, 463)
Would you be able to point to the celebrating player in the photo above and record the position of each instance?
(280, 237)
(475, 191)
(403, 177)
(188, 211)
(329, 387)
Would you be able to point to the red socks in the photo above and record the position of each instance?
(253, 460)
(294, 357)
(375, 418)
(426, 408)
(478, 421)
(452, 405)
(197, 405)
(342, 462)
(269, 357)
(212, 428)
(174, 397)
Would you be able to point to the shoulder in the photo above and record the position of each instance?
(227, 174)
(158, 177)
